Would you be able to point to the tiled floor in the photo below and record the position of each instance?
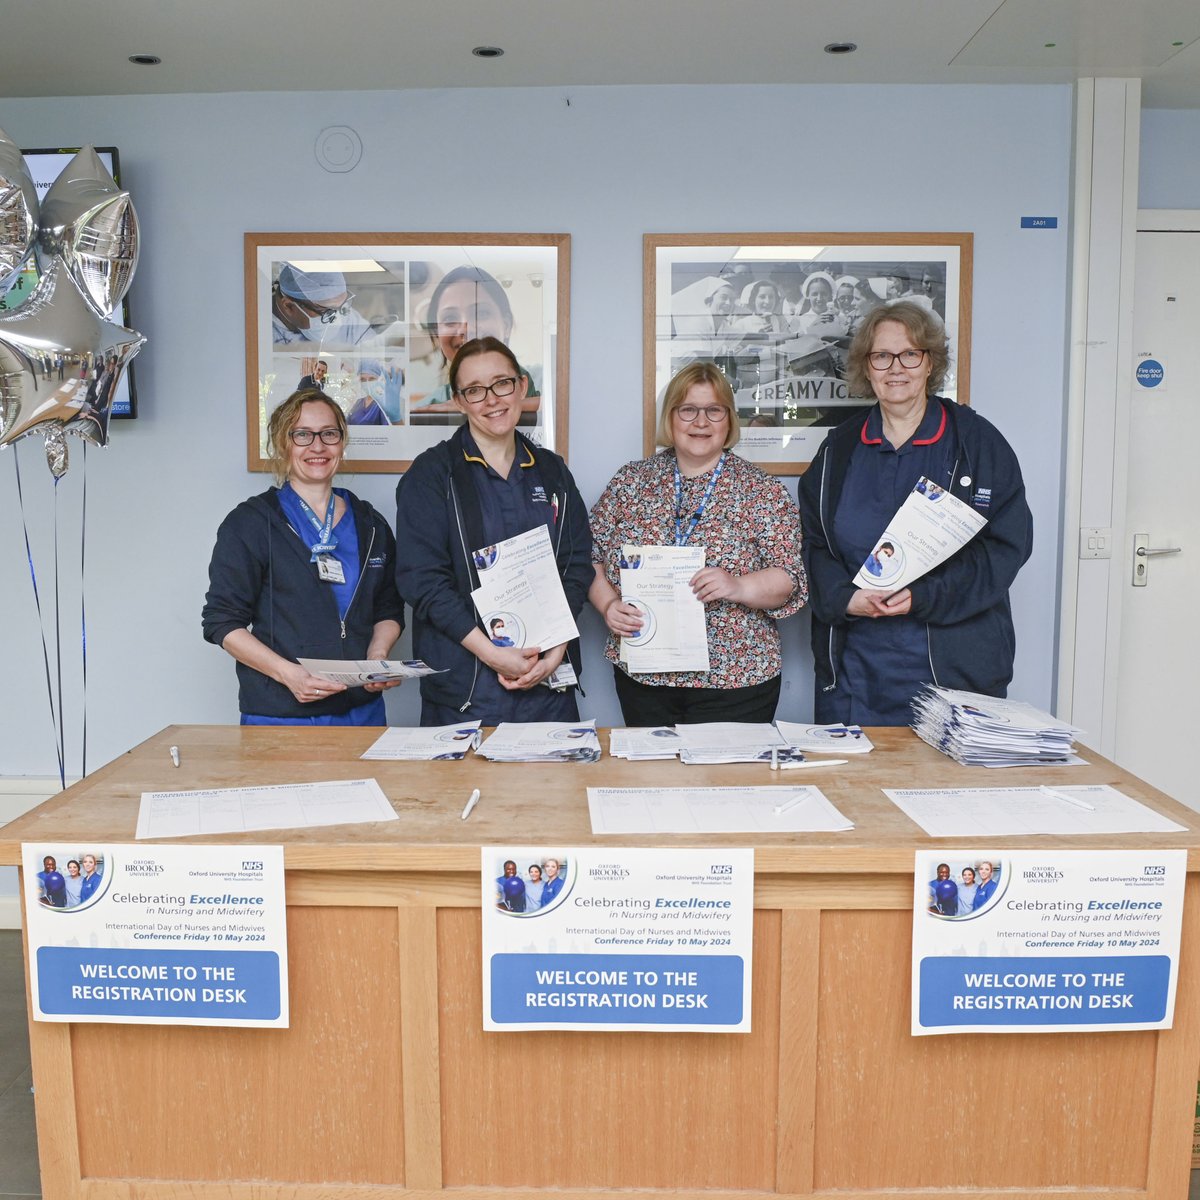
(19, 1175)
(18, 1140)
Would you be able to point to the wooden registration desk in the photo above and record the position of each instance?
(386, 1086)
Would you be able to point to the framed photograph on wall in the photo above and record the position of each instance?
(777, 311)
(373, 319)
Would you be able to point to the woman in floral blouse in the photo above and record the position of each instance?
(697, 493)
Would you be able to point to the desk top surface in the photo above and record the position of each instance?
(525, 803)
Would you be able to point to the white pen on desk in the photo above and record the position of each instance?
(1075, 800)
(175, 755)
(774, 759)
(797, 799)
(800, 766)
(474, 800)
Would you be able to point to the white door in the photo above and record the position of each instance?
(1158, 713)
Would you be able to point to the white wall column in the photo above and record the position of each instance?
(1107, 121)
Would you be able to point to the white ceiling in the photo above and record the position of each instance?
(81, 47)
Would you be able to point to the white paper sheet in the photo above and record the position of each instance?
(1016, 811)
(657, 742)
(520, 596)
(712, 810)
(280, 806)
(674, 635)
(929, 527)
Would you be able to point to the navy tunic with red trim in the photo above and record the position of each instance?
(885, 660)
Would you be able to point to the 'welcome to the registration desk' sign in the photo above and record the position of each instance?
(617, 939)
(1036, 941)
(156, 935)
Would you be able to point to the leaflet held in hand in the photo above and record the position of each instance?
(656, 580)
(520, 596)
(928, 528)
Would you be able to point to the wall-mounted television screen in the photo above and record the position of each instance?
(45, 166)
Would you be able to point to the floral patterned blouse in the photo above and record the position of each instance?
(749, 524)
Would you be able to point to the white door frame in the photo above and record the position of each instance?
(1107, 129)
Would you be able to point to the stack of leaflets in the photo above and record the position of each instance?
(825, 739)
(643, 745)
(983, 731)
(731, 742)
(425, 744)
(542, 741)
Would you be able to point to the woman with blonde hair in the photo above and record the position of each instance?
(697, 492)
(304, 569)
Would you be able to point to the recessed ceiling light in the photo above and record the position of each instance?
(145, 60)
(841, 48)
(487, 52)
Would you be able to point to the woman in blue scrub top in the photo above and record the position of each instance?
(304, 570)
(875, 649)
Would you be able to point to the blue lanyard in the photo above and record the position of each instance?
(681, 538)
(325, 542)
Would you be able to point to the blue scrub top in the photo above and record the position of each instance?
(346, 550)
(886, 660)
(513, 505)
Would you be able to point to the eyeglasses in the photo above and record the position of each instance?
(476, 393)
(714, 412)
(304, 437)
(882, 360)
(327, 315)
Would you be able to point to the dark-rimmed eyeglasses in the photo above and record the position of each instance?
(476, 393)
(305, 437)
(327, 316)
(714, 412)
(882, 360)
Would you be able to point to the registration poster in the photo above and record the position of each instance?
(628, 939)
(156, 935)
(1041, 941)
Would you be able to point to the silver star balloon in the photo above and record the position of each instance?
(60, 362)
(61, 356)
(18, 211)
(88, 222)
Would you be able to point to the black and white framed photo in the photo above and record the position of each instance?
(776, 313)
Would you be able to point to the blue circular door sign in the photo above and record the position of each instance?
(1150, 373)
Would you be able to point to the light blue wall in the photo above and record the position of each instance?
(616, 163)
(1169, 166)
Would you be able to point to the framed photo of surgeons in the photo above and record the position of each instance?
(777, 312)
(373, 320)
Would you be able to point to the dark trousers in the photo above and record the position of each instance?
(644, 705)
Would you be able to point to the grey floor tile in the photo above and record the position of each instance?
(19, 1175)
(14, 1032)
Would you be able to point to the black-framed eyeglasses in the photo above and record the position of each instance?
(714, 412)
(305, 437)
(476, 393)
(327, 315)
(882, 360)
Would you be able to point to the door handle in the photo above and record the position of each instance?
(1142, 551)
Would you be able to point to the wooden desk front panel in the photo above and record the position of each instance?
(386, 1080)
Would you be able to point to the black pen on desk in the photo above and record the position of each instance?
(474, 800)
(1075, 800)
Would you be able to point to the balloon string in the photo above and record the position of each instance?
(83, 608)
(37, 600)
(62, 737)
